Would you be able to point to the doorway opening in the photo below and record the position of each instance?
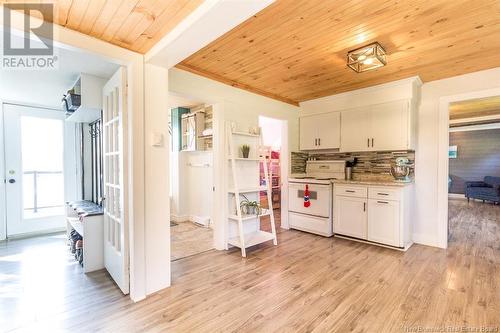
(191, 173)
(474, 168)
(272, 137)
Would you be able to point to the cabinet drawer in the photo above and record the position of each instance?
(351, 191)
(384, 193)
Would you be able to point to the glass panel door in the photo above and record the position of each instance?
(34, 164)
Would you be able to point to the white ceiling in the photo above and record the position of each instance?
(46, 87)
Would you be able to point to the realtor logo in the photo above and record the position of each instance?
(35, 49)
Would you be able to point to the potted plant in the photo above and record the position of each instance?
(250, 207)
(245, 150)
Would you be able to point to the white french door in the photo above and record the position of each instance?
(34, 169)
(116, 252)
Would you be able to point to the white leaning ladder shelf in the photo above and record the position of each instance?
(244, 239)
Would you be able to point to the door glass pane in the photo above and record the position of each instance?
(42, 158)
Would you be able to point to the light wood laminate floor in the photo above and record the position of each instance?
(305, 284)
(188, 238)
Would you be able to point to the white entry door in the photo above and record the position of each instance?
(34, 169)
(116, 251)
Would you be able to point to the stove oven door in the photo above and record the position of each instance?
(320, 196)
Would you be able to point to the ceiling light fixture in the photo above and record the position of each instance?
(366, 58)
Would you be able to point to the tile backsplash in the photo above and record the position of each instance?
(373, 163)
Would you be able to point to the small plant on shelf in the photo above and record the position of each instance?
(250, 207)
(245, 150)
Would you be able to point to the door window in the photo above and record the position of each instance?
(42, 167)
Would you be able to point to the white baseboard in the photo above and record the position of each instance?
(201, 220)
(47, 232)
(425, 240)
(179, 218)
(456, 196)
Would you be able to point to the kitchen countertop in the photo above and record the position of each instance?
(372, 182)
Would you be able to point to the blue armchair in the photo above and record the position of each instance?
(488, 189)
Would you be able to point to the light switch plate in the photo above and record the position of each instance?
(157, 140)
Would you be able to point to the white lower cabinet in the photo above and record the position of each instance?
(383, 222)
(351, 216)
(373, 213)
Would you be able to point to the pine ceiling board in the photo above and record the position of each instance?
(299, 39)
(294, 62)
(143, 10)
(171, 17)
(124, 10)
(297, 49)
(425, 63)
(77, 13)
(475, 108)
(133, 24)
(94, 10)
(105, 17)
(61, 11)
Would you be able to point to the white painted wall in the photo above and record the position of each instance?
(271, 132)
(194, 202)
(157, 208)
(242, 107)
(427, 228)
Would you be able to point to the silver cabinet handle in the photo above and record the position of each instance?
(368, 142)
(364, 206)
(315, 142)
(319, 142)
(380, 193)
(350, 191)
(372, 142)
(382, 202)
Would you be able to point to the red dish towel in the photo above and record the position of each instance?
(307, 203)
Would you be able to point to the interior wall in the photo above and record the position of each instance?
(195, 186)
(426, 228)
(156, 203)
(232, 105)
(271, 132)
(478, 155)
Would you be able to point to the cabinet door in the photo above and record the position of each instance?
(328, 126)
(350, 216)
(389, 126)
(383, 222)
(354, 130)
(308, 133)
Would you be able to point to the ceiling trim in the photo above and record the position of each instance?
(235, 84)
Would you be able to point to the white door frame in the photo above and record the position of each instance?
(443, 143)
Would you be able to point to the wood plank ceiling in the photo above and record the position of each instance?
(475, 108)
(295, 50)
(132, 24)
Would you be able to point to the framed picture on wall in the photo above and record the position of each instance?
(452, 152)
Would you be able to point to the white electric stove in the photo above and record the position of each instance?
(318, 217)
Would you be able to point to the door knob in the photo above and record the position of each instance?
(12, 181)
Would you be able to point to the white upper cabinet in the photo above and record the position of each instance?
(355, 126)
(378, 127)
(389, 126)
(308, 133)
(320, 131)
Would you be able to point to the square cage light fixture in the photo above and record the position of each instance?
(366, 58)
